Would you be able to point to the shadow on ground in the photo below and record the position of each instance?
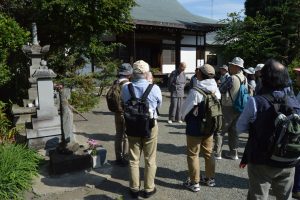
(102, 113)
(97, 136)
(171, 149)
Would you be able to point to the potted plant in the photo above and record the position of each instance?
(96, 159)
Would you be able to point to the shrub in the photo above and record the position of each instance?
(7, 132)
(18, 166)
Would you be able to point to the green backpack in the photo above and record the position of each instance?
(212, 121)
(113, 96)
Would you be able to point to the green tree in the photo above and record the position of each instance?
(75, 30)
(12, 37)
(246, 37)
(284, 19)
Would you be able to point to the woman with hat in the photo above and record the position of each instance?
(250, 74)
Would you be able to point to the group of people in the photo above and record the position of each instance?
(270, 78)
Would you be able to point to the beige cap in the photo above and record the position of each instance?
(208, 70)
(140, 67)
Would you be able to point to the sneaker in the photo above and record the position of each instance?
(170, 122)
(180, 122)
(218, 157)
(149, 194)
(194, 187)
(134, 194)
(210, 182)
(231, 156)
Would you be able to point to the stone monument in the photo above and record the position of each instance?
(46, 127)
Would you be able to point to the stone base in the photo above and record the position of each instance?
(44, 142)
(61, 163)
(43, 132)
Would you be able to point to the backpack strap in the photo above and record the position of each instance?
(271, 100)
(122, 82)
(146, 93)
(204, 93)
(244, 81)
(131, 91)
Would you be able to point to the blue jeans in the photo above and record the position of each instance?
(296, 187)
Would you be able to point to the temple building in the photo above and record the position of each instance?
(165, 34)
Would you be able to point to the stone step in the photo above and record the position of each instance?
(43, 132)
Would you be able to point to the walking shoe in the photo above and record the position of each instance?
(231, 156)
(170, 122)
(208, 181)
(122, 162)
(195, 187)
(134, 194)
(180, 122)
(149, 194)
(218, 157)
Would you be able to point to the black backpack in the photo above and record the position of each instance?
(136, 113)
(285, 145)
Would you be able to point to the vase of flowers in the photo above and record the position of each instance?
(96, 160)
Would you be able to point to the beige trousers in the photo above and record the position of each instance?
(148, 146)
(194, 145)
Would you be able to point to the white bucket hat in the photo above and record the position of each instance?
(238, 62)
(250, 70)
(259, 67)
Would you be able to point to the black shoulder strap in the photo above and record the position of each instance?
(271, 100)
(146, 93)
(131, 91)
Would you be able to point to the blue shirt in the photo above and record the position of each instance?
(140, 85)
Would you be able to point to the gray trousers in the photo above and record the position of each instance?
(263, 177)
(121, 140)
(230, 117)
(175, 108)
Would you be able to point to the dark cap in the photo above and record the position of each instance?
(125, 69)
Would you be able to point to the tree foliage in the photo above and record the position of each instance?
(75, 30)
(12, 37)
(284, 19)
(246, 37)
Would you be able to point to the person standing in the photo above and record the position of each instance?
(258, 119)
(258, 69)
(193, 110)
(229, 90)
(224, 74)
(176, 85)
(296, 187)
(147, 145)
(250, 72)
(121, 141)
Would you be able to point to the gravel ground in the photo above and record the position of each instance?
(111, 182)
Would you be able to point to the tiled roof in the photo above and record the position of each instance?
(168, 13)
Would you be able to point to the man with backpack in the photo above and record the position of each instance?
(203, 115)
(141, 101)
(113, 98)
(233, 98)
(272, 121)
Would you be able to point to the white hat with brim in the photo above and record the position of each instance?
(250, 70)
(237, 61)
(259, 67)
